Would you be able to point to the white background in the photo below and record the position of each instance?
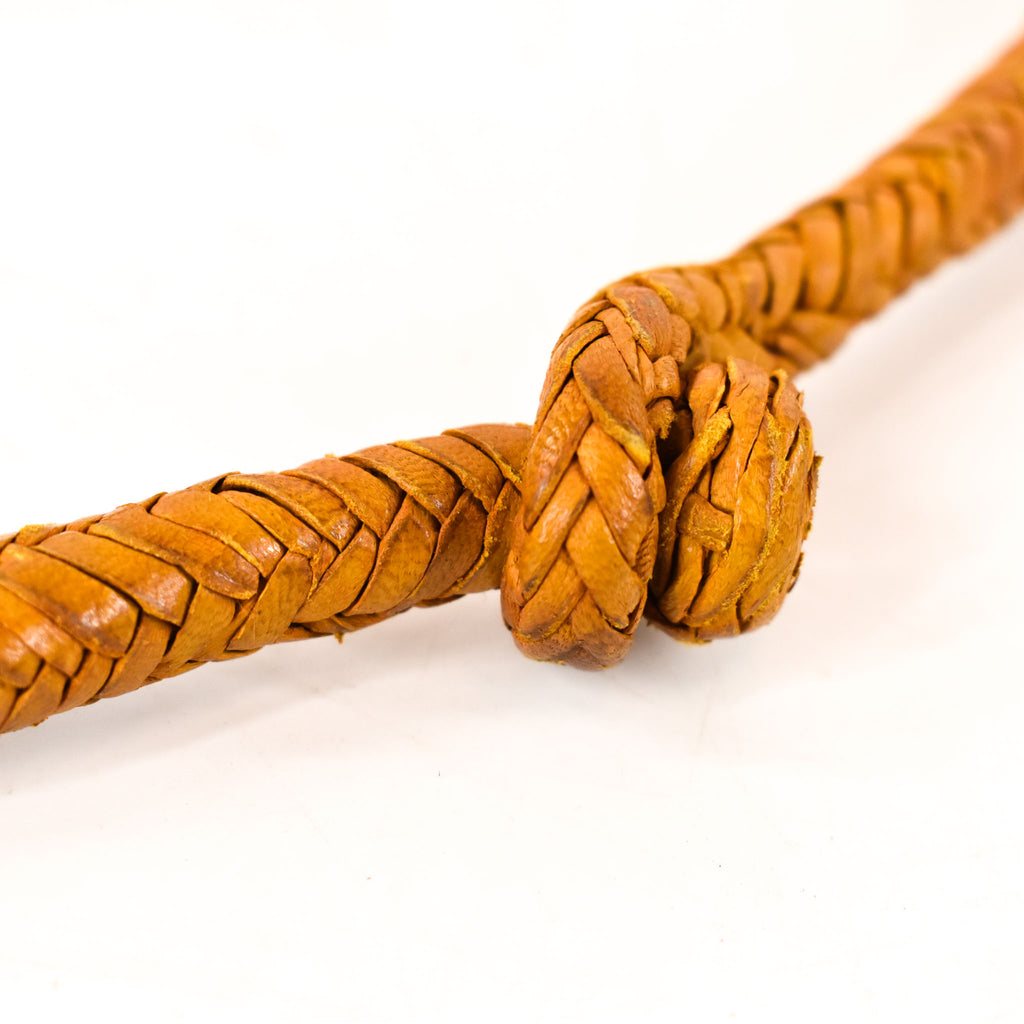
(239, 235)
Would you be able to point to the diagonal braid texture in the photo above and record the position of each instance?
(670, 469)
(101, 606)
(783, 302)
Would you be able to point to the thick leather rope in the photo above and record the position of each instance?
(670, 469)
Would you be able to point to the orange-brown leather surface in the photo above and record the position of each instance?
(670, 470)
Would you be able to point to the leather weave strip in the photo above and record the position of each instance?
(670, 469)
(783, 302)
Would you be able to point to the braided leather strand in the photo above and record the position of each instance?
(670, 470)
(783, 302)
(100, 606)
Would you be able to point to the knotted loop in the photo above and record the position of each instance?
(597, 527)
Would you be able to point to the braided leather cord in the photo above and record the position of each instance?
(100, 606)
(670, 457)
(782, 302)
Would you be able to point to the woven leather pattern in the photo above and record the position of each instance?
(670, 468)
(100, 606)
(784, 301)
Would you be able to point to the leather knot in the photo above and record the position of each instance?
(647, 481)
